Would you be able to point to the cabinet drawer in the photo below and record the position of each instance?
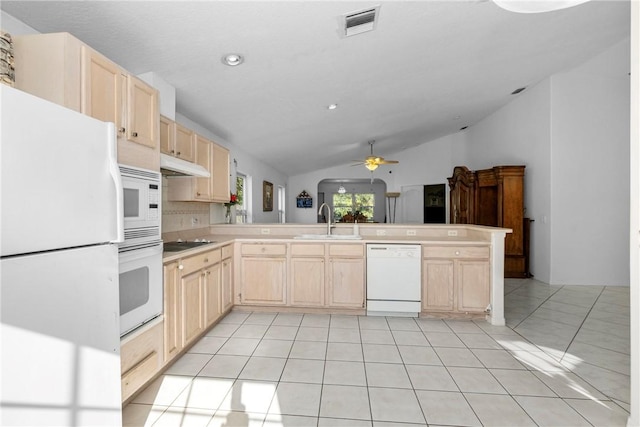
(264, 249)
(346, 250)
(455, 252)
(197, 262)
(227, 251)
(140, 358)
(302, 249)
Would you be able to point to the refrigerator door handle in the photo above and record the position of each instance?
(114, 170)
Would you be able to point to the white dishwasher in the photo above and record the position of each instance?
(393, 280)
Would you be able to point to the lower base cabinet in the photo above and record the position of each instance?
(455, 279)
(141, 356)
(316, 275)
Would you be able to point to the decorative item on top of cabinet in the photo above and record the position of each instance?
(62, 69)
(494, 197)
(177, 140)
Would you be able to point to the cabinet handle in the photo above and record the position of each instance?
(208, 272)
(206, 260)
(173, 151)
(122, 130)
(457, 252)
(181, 267)
(263, 249)
(197, 194)
(134, 134)
(178, 153)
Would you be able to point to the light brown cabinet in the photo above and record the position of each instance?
(315, 275)
(60, 68)
(263, 274)
(307, 275)
(192, 294)
(455, 279)
(346, 281)
(140, 357)
(177, 140)
(172, 311)
(215, 159)
(226, 287)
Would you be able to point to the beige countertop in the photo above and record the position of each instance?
(222, 240)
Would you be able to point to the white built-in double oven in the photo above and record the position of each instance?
(141, 253)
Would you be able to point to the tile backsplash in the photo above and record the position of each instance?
(177, 216)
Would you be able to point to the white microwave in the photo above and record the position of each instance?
(142, 195)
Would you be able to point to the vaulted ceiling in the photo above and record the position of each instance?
(428, 68)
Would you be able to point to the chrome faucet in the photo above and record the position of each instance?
(328, 217)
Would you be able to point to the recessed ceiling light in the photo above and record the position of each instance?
(332, 107)
(517, 91)
(232, 59)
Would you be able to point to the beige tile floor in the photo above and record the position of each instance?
(562, 360)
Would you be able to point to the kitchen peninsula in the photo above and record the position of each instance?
(272, 267)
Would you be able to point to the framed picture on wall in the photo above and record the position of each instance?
(267, 196)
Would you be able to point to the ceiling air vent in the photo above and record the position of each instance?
(360, 22)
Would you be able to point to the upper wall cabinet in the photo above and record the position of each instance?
(176, 140)
(62, 69)
(215, 159)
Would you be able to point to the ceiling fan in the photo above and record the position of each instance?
(372, 162)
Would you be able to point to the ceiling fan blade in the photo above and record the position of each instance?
(387, 162)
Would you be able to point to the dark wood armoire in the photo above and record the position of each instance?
(494, 197)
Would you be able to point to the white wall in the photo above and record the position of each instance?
(519, 134)
(13, 26)
(571, 132)
(590, 171)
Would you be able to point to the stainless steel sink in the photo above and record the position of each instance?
(328, 237)
(180, 245)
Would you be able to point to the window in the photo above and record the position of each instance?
(241, 192)
(353, 204)
(281, 204)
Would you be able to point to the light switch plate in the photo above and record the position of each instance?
(265, 231)
(452, 233)
(411, 232)
(381, 232)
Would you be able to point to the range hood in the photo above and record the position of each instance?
(172, 166)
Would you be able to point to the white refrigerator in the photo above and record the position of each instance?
(60, 221)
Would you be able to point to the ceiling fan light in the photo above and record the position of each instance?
(371, 166)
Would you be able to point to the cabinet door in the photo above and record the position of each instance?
(167, 135)
(264, 280)
(142, 113)
(212, 294)
(437, 285)
(307, 282)
(192, 288)
(102, 89)
(185, 143)
(172, 311)
(226, 286)
(346, 282)
(203, 158)
(220, 174)
(473, 291)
